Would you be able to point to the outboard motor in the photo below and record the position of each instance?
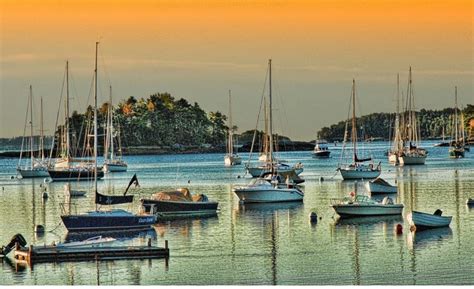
(18, 238)
(438, 212)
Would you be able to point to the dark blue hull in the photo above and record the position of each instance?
(74, 223)
(74, 175)
(179, 209)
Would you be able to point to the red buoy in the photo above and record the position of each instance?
(399, 229)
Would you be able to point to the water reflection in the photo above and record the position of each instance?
(184, 226)
(137, 236)
(428, 238)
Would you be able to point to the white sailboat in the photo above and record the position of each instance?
(112, 163)
(37, 167)
(231, 158)
(411, 153)
(264, 190)
(397, 145)
(357, 169)
(456, 147)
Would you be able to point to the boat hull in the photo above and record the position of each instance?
(456, 153)
(359, 210)
(106, 222)
(267, 195)
(424, 221)
(114, 168)
(380, 189)
(321, 154)
(232, 160)
(33, 173)
(259, 171)
(170, 209)
(412, 160)
(74, 175)
(353, 174)
(392, 158)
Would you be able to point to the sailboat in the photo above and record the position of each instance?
(397, 145)
(357, 169)
(66, 168)
(112, 163)
(410, 153)
(456, 148)
(116, 219)
(37, 168)
(262, 190)
(231, 159)
(268, 162)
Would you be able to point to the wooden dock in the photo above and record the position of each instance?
(42, 254)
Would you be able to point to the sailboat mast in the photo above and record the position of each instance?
(230, 140)
(95, 118)
(41, 131)
(31, 126)
(67, 111)
(456, 122)
(111, 111)
(354, 128)
(270, 110)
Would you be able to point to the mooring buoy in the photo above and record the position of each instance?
(313, 217)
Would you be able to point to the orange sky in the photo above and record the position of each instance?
(199, 49)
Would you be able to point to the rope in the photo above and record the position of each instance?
(57, 226)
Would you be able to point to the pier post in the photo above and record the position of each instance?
(166, 244)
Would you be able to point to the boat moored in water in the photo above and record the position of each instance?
(380, 186)
(428, 221)
(361, 205)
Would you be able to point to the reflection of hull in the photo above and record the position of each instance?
(170, 209)
(360, 210)
(375, 188)
(107, 220)
(354, 174)
(368, 220)
(33, 173)
(424, 238)
(412, 160)
(424, 221)
(270, 207)
(262, 194)
(232, 160)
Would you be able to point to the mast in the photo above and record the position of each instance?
(456, 122)
(67, 112)
(230, 140)
(270, 110)
(41, 132)
(95, 119)
(111, 111)
(31, 126)
(354, 128)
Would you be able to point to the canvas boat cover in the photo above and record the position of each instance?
(179, 195)
(381, 181)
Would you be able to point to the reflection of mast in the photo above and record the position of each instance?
(274, 248)
(458, 203)
(356, 254)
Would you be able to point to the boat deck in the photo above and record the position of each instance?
(42, 254)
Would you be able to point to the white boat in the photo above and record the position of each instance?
(428, 221)
(37, 167)
(264, 168)
(362, 205)
(380, 186)
(261, 190)
(321, 149)
(112, 163)
(357, 169)
(231, 158)
(91, 242)
(410, 153)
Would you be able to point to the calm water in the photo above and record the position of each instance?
(259, 244)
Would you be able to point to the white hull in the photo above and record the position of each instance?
(111, 168)
(354, 174)
(380, 189)
(232, 160)
(392, 158)
(428, 221)
(33, 173)
(265, 194)
(412, 160)
(367, 210)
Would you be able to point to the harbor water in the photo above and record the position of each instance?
(259, 244)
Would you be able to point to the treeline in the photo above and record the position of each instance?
(159, 120)
(432, 123)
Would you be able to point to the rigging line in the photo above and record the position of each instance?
(24, 130)
(283, 125)
(57, 118)
(258, 117)
(345, 132)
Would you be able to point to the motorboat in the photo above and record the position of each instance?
(321, 149)
(278, 166)
(361, 205)
(179, 203)
(428, 221)
(260, 190)
(470, 202)
(380, 186)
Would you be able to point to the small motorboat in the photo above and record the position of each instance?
(361, 205)
(179, 203)
(262, 190)
(428, 221)
(380, 186)
(321, 149)
(91, 242)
